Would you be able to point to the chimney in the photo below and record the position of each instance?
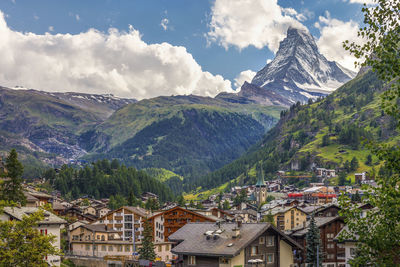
(236, 232)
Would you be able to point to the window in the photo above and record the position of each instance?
(330, 245)
(87, 247)
(192, 260)
(110, 248)
(340, 245)
(329, 235)
(270, 241)
(119, 247)
(223, 261)
(270, 258)
(262, 240)
(159, 248)
(103, 248)
(352, 252)
(254, 250)
(167, 247)
(127, 248)
(330, 256)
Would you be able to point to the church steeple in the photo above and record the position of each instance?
(260, 192)
(260, 178)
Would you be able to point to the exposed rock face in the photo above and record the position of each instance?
(297, 73)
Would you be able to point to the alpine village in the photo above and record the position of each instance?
(298, 166)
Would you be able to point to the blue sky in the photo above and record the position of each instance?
(189, 25)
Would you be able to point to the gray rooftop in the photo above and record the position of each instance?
(194, 240)
(18, 214)
(319, 221)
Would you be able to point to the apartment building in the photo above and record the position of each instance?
(128, 221)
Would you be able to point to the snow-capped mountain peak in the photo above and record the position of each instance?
(299, 71)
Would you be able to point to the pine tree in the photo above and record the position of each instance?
(12, 188)
(354, 164)
(131, 199)
(313, 244)
(146, 252)
(226, 205)
(342, 178)
(181, 201)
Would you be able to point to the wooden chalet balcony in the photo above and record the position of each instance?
(118, 218)
(119, 225)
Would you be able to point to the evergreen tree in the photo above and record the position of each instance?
(342, 178)
(354, 164)
(132, 201)
(181, 201)
(12, 188)
(243, 195)
(146, 252)
(269, 218)
(325, 140)
(368, 161)
(313, 245)
(226, 205)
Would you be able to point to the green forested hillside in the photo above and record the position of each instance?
(329, 133)
(104, 179)
(172, 180)
(42, 128)
(185, 134)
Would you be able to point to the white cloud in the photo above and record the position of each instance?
(368, 2)
(36, 17)
(333, 33)
(13, 1)
(94, 62)
(244, 76)
(243, 23)
(77, 17)
(164, 23)
(51, 28)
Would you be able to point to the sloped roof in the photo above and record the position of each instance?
(211, 218)
(194, 240)
(19, 213)
(319, 221)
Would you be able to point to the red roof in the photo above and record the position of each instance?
(295, 195)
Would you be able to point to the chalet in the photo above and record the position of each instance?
(51, 224)
(98, 240)
(233, 244)
(322, 172)
(287, 218)
(128, 221)
(329, 227)
(349, 246)
(167, 222)
(319, 195)
(36, 199)
(76, 213)
(331, 210)
(146, 196)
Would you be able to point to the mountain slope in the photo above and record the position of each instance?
(45, 127)
(184, 134)
(345, 117)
